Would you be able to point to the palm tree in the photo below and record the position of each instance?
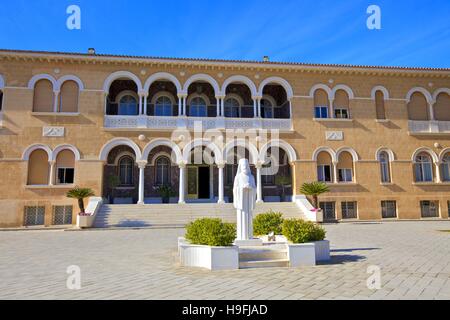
(80, 194)
(314, 189)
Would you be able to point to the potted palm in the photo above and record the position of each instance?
(314, 190)
(80, 194)
(165, 192)
(283, 182)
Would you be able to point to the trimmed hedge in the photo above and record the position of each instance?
(300, 231)
(211, 232)
(266, 223)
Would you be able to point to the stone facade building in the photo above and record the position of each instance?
(125, 126)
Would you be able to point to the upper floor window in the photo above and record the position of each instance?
(345, 167)
(267, 109)
(126, 171)
(198, 108)
(445, 166)
(128, 106)
(43, 96)
(340, 113)
(65, 167)
(163, 107)
(162, 171)
(379, 104)
(321, 112)
(324, 167)
(68, 98)
(423, 168)
(341, 105)
(232, 108)
(384, 167)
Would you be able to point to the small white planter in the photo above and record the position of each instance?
(211, 258)
(302, 255)
(322, 249)
(85, 221)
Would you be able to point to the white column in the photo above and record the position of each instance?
(140, 104)
(255, 108)
(438, 172)
(259, 195)
(142, 166)
(221, 184)
(331, 115)
(184, 106)
(52, 172)
(430, 106)
(55, 102)
(222, 107)
(145, 103)
(182, 191)
(218, 106)
(335, 172)
(180, 105)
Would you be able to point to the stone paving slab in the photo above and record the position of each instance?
(414, 258)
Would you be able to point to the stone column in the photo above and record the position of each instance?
(222, 107)
(55, 102)
(331, 110)
(184, 106)
(145, 104)
(142, 165)
(431, 111)
(219, 99)
(140, 103)
(182, 191)
(438, 172)
(221, 166)
(259, 195)
(52, 181)
(335, 172)
(180, 105)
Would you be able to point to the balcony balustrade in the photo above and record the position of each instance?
(429, 127)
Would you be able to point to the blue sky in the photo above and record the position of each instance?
(414, 33)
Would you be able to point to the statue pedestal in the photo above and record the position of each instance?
(249, 243)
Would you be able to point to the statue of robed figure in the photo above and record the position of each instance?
(244, 193)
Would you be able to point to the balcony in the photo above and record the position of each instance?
(157, 123)
(429, 127)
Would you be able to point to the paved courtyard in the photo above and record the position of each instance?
(414, 258)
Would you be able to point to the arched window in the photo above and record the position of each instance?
(198, 108)
(162, 166)
(442, 107)
(232, 108)
(128, 106)
(43, 96)
(68, 99)
(345, 167)
(418, 107)
(385, 167)
(163, 107)
(445, 167)
(65, 167)
(126, 171)
(267, 109)
(324, 167)
(38, 168)
(379, 103)
(423, 168)
(321, 104)
(341, 105)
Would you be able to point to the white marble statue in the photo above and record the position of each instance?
(244, 193)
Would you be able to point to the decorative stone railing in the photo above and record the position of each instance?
(172, 123)
(429, 127)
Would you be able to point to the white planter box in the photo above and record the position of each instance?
(211, 258)
(85, 221)
(302, 255)
(322, 250)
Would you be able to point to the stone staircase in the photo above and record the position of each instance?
(176, 215)
(268, 256)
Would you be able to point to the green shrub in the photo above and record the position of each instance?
(299, 231)
(266, 223)
(211, 232)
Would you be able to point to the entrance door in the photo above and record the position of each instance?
(204, 183)
(192, 182)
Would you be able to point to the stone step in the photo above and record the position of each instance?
(281, 263)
